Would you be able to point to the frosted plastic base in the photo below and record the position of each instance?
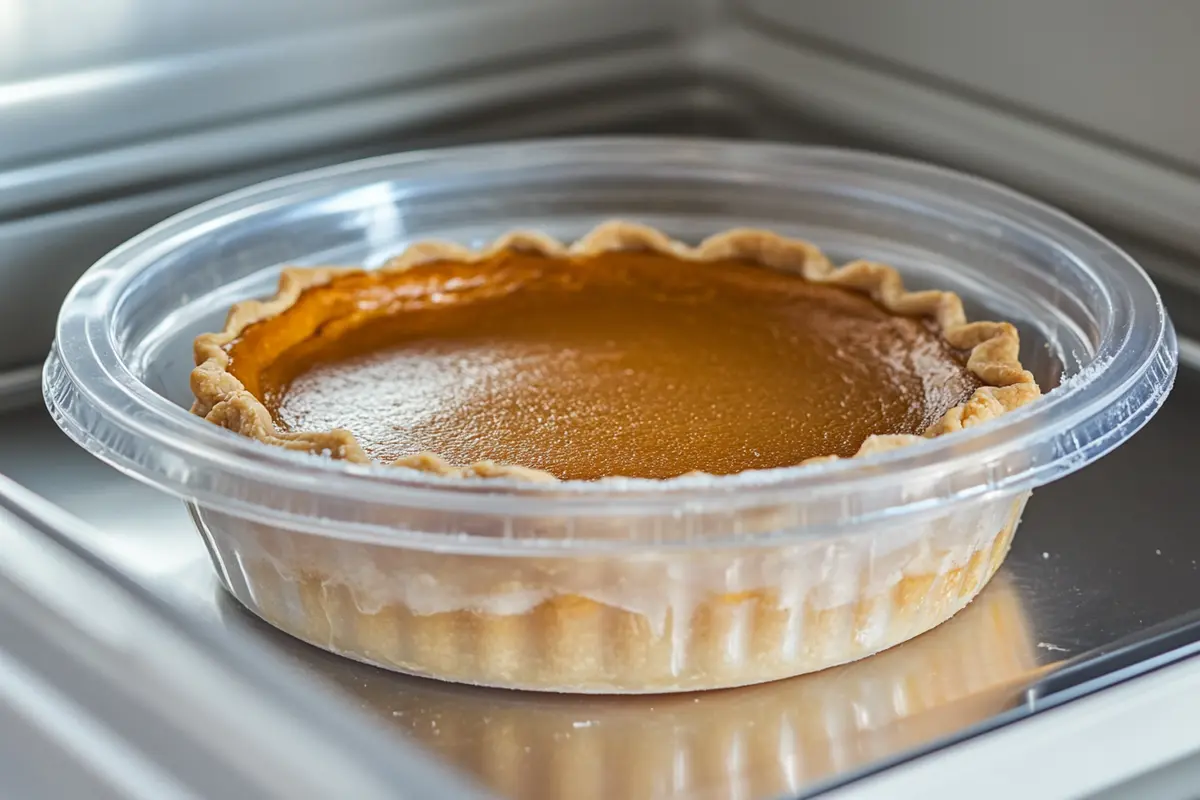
(649, 622)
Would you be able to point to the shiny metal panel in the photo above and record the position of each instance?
(77, 75)
(108, 692)
(1119, 71)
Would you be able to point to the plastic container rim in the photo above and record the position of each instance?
(86, 353)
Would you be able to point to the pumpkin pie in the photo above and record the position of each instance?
(624, 355)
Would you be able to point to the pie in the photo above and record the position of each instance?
(626, 355)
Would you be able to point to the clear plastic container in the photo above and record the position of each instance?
(632, 586)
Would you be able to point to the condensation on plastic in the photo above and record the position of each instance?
(716, 581)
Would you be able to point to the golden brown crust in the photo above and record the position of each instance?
(993, 359)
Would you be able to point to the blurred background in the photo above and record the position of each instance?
(115, 114)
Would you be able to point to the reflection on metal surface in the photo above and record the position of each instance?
(132, 70)
(759, 741)
(108, 692)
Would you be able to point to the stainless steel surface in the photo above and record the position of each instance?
(1082, 749)
(81, 76)
(1102, 557)
(20, 387)
(391, 120)
(1106, 181)
(1122, 71)
(106, 691)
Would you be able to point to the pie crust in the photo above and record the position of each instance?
(993, 347)
(627, 621)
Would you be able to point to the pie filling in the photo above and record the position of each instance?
(630, 363)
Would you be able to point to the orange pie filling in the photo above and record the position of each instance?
(626, 355)
(633, 364)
